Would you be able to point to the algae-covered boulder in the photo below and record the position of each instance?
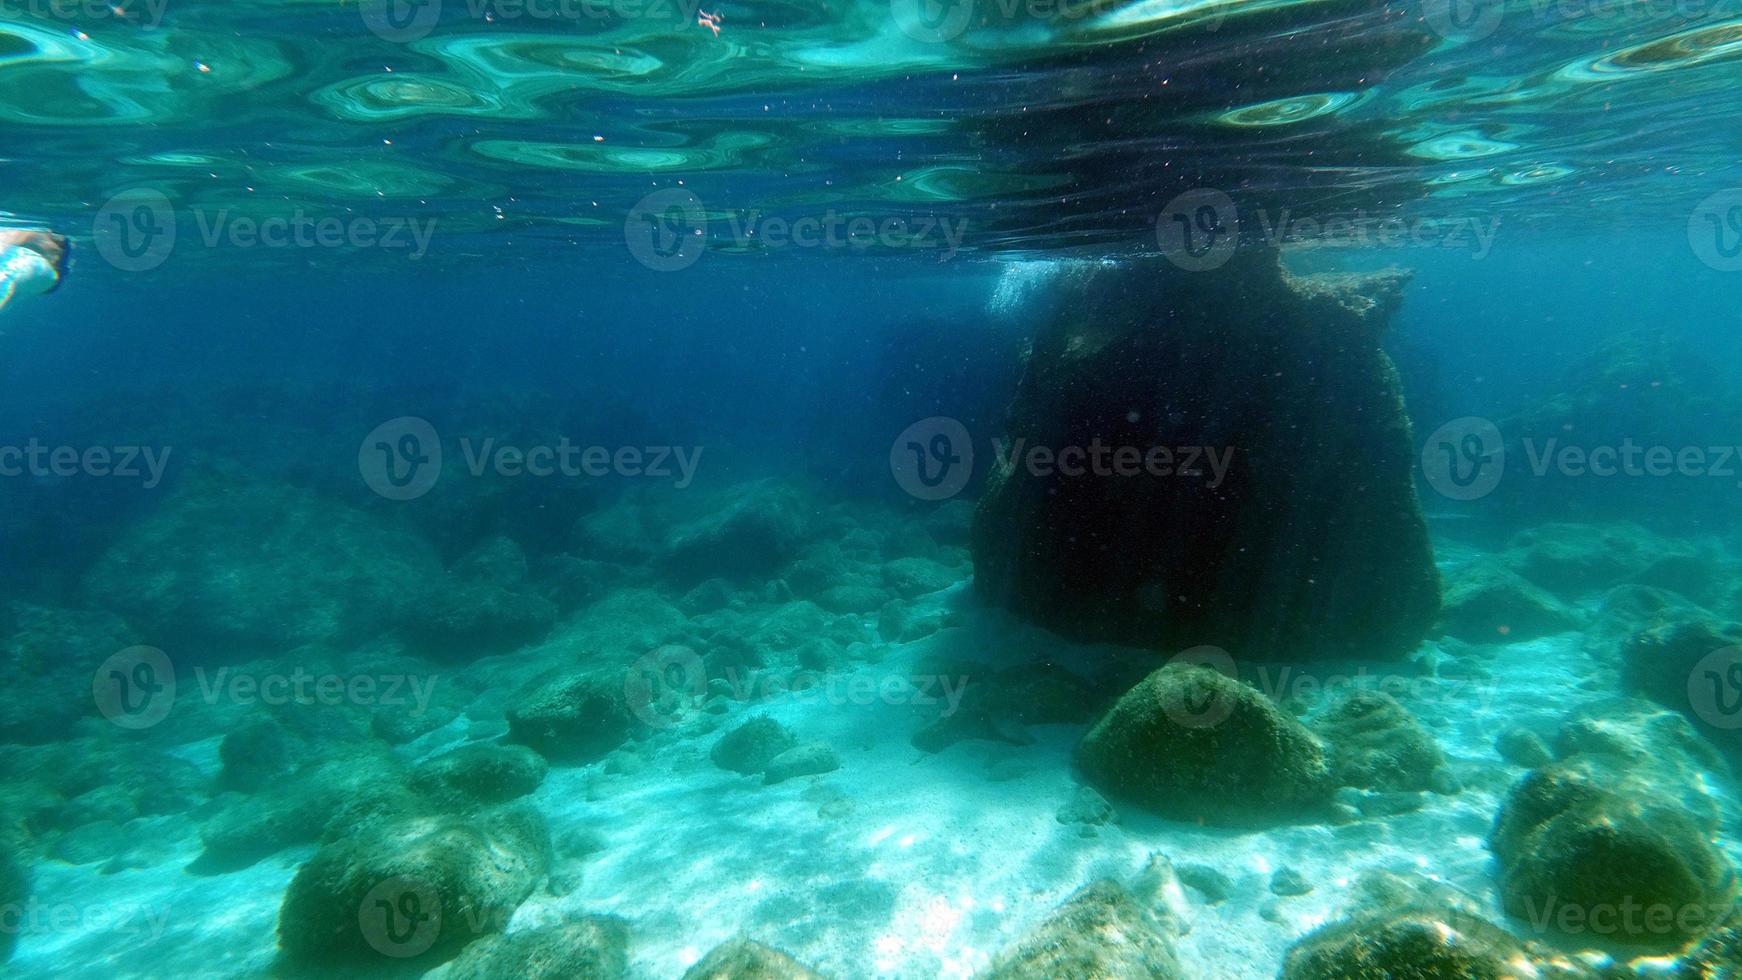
(747, 532)
(484, 605)
(1591, 847)
(808, 759)
(1628, 610)
(227, 569)
(1404, 928)
(47, 655)
(479, 774)
(1102, 931)
(1191, 743)
(1375, 744)
(590, 948)
(413, 891)
(1644, 736)
(14, 892)
(573, 719)
(332, 796)
(1693, 666)
(1195, 484)
(750, 747)
(1489, 603)
(746, 959)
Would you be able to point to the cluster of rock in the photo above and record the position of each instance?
(1536, 584)
(1193, 743)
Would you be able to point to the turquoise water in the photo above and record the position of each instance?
(991, 489)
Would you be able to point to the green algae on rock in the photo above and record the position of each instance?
(572, 719)
(1490, 603)
(1685, 665)
(479, 775)
(589, 948)
(747, 959)
(1103, 930)
(1607, 848)
(1303, 538)
(1191, 743)
(749, 748)
(1407, 927)
(417, 890)
(1374, 743)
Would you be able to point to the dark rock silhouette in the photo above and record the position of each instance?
(1302, 536)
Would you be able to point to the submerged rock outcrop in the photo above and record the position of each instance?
(589, 948)
(1615, 842)
(746, 959)
(1191, 743)
(417, 890)
(1104, 930)
(1407, 927)
(1246, 467)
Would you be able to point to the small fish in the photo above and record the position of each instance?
(710, 21)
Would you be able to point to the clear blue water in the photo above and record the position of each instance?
(729, 284)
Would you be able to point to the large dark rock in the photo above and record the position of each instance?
(1614, 843)
(1309, 541)
(1691, 665)
(1191, 743)
(573, 719)
(415, 891)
